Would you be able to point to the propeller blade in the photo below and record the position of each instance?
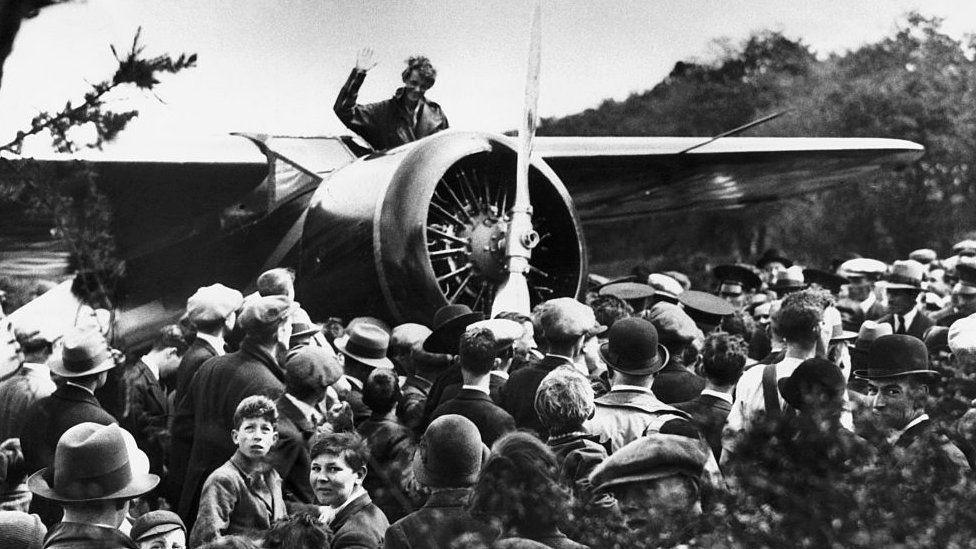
(513, 293)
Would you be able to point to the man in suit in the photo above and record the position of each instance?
(565, 323)
(308, 372)
(904, 283)
(862, 274)
(83, 364)
(722, 361)
(212, 310)
(479, 350)
(147, 407)
(963, 295)
(222, 383)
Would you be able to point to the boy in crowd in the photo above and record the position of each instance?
(244, 494)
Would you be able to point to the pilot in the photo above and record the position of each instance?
(405, 117)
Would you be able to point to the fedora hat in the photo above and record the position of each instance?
(91, 463)
(905, 275)
(632, 348)
(869, 332)
(449, 323)
(894, 356)
(302, 329)
(789, 280)
(366, 343)
(84, 352)
(811, 375)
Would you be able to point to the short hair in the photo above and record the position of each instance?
(424, 68)
(799, 317)
(171, 335)
(254, 407)
(564, 400)
(477, 351)
(298, 531)
(381, 392)
(280, 281)
(724, 357)
(348, 445)
(609, 309)
(232, 542)
(739, 323)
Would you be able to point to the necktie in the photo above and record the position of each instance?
(901, 325)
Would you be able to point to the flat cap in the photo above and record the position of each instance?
(565, 318)
(154, 523)
(862, 266)
(962, 335)
(923, 255)
(261, 313)
(665, 286)
(651, 457)
(506, 332)
(673, 324)
(213, 303)
(312, 364)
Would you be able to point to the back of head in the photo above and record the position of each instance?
(564, 400)
(450, 453)
(262, 316)
(381, 392)
(565, 320)
(724, 357)
(609, 308)
(298, 531)
(278, 281)
(799, 316)
(173, 336)
(477, 351)
(232, 542)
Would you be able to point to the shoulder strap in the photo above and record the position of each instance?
(770, 392)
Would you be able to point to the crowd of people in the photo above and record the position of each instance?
(627, 412)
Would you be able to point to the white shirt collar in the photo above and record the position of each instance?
(894, 437)
(867, 303)
(909, 317)
(723, 396)
(311, 414)
(352, 497)
(614, 388)
(216, 342)
(499, 373)
(82, 387)
(151, 364)
(484, 390)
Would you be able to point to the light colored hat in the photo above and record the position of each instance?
(213, 303)
(506, 332)
(962, 335)
(665, 285)
(923, 255)
(905, 275)
(862, 266)
(564, 318)
(870, 331)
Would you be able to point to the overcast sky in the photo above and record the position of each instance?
(274, 66)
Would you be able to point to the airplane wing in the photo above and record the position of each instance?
(622, 178)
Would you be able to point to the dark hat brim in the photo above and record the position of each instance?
(57, 367)
(439, 340)
(137, 486)
(869, 374)
(383, 362)
(645, 368)
(647, 476)
(307, 332)
(901, 286)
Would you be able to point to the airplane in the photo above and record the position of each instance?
(397, 234)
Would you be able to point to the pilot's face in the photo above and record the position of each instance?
(415, 86)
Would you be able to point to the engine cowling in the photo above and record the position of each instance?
(400, 234)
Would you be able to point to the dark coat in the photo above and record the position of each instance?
(413, 402)
(179, 457)
(147, 414)
(919, 324)
(518, 394)
(442, 519)
(492, 421)
(360, 525)
(708, 413)
(218, 387)
(385, 124)
(290, 455)
(46, 420)
(73, 535)
(495, 384)
(390, 454)
(444, 388)
(577, 454)
(674, 383)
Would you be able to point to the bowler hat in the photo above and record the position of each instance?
(263, 313)
(91, 463)
(632, 348)
(897, 355)
(310, 364)
(448, 325)
(367, 344)
(705, 309)
(651, 457)
(450, 453)
(213, 303)
(788, 280)
(905, 275)
(826, 280)
(84, 352)
(737, 274)
(813, 374)
(155, 523)
(773, 255)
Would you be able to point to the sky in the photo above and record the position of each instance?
(275, 66)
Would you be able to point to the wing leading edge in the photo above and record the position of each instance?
(621, 178)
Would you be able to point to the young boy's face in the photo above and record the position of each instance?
(255, 437)
(174, 539)
(333, 479)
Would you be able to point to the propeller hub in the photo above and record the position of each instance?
(487, 239)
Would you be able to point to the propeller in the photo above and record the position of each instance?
(513, 293)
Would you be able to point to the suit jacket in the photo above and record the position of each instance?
(237, 502)
(495, 384)
(18, 393)
(74, 535)
(492, 421)
(919, 324)
(199, 352)
(46, 420)
(674, 383)
(921, 439)
(518, 394)
(443, 389)
(441, 520)
(708, 413)
(290, 455)
(360, 525)
(147, 414)
(390, 455)
(625, 415)
(218, 387)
